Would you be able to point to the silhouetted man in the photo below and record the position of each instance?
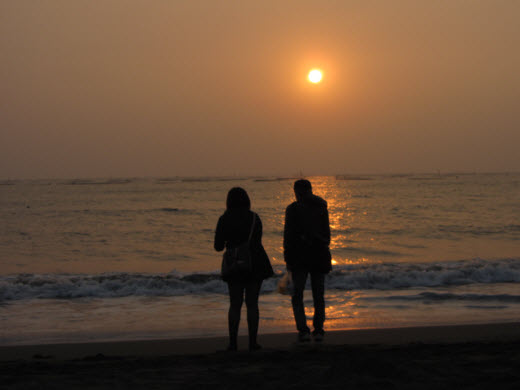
(306, 250)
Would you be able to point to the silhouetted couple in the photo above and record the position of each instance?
(306, 251)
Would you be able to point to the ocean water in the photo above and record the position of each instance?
(126, 259)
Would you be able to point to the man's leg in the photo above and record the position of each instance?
(299, 279)
(318, 291)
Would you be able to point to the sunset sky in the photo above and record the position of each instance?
(196, 88)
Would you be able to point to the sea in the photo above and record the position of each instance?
(132, 258)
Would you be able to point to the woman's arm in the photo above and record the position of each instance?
(220, 242)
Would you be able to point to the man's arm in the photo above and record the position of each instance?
(288, 236)
(289, 228)
(326, 226)
(321, 228)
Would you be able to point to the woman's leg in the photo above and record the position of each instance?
(236, 297)
(253, 314)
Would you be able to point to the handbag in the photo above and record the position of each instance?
(237, 261)
(285, 284)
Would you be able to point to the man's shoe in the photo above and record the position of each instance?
(304, 337)
(318, 336)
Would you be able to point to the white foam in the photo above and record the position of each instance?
(384, 276)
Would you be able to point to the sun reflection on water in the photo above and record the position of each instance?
(349, 216)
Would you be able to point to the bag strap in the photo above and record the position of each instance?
(252, 227)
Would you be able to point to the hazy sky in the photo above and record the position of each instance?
(165, 88)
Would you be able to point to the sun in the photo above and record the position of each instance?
(315, 76)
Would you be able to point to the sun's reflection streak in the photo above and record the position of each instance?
(341, 308)
(347, 214)
(341, 217)
(344, 309)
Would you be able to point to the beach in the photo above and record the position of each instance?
(480, 356)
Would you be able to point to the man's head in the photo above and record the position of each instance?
(302, 188)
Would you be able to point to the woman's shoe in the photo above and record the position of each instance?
(231, 348)
(254, 347)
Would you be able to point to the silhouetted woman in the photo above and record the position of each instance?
(233, 229)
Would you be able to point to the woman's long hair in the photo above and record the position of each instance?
(237, 198)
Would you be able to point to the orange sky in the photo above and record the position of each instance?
(165, 88)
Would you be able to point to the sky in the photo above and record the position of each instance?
(162, 88)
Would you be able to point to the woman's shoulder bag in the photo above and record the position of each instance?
(237, 261)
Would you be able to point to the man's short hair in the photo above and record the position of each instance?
(302, 186)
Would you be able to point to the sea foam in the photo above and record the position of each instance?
(382, 276)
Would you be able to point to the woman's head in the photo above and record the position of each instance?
(237, 198)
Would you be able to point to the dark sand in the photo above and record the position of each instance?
(474, 356)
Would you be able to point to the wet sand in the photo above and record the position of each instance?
(476, 356)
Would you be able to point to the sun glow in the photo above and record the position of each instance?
(315, 76)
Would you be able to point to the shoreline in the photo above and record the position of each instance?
(445, 334)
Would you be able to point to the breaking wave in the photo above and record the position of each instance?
(435, 297)
(384, 276)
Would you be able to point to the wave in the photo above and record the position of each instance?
(96, 182)
(352, 177)
(269, 179)
(366, 251)
(167, 180)
(113, 285)
(211, 179)
(122, 212)
(445, 231)
(363, 276)
(480, 230)
(386, 276)
(432, 296)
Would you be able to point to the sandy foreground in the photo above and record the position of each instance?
(466, 356)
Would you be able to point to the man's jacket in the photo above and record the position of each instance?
(307, 235)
